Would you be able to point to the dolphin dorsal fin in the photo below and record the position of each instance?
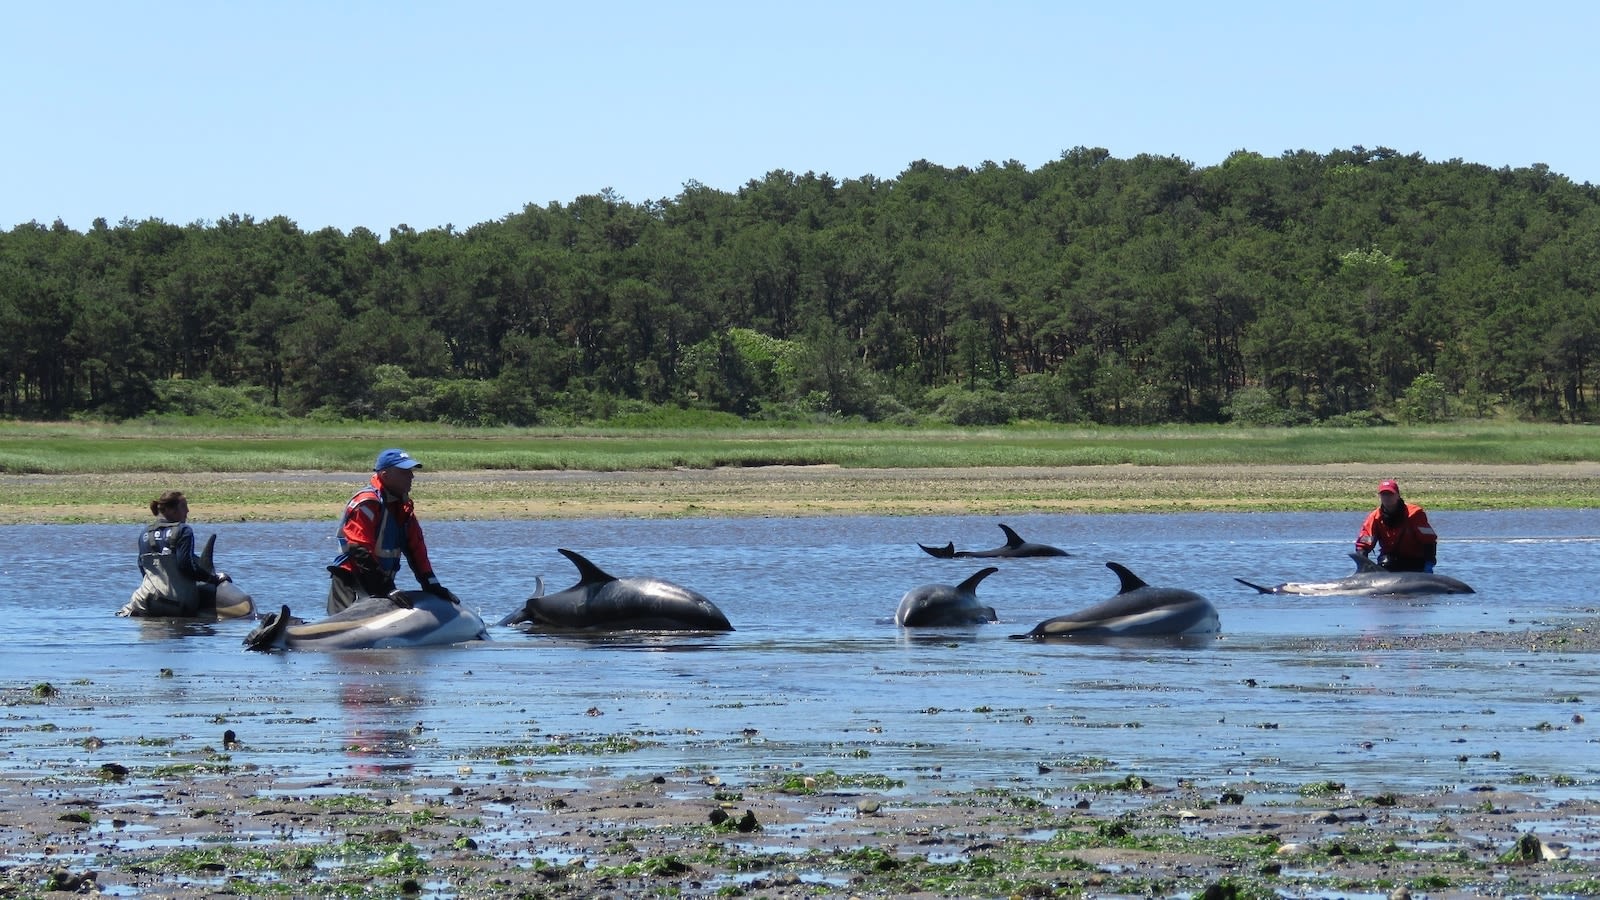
(1012, 538)
(971, 584)
(1365, 564)
(588, 572)
(1130, 581)
(205, 555)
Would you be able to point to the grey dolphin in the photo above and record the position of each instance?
(422, 621)
(226, 599)
(1138, 610)
(939, 605)
(1014, 547)
(603, 602)
(1370, 579)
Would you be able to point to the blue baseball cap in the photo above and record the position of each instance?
(394, 458)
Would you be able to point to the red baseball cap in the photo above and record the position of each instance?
(1388, 486)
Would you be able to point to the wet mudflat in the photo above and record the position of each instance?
(1319, 746)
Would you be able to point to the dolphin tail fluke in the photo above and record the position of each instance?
(521, 615)
(1264, 590)
(269, 634)
(948, 551)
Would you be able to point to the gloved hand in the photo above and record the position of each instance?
(221, 578)
(399, 598)
(1364, 546)
(432, 586)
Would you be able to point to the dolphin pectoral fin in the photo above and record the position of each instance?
(270, 632)
(1264, 590)
(588, 572)
(948, 551)
(971, 584)
(1130, 581)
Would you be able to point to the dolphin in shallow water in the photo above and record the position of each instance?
(222, 601)
(604, 602)
(227, 600)
(1014, 547)
(1138, 610)
(1370, 579)
(940, 605)
(420, 620)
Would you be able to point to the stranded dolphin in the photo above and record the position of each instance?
(1138, 610)
(1370, 579)
(1014, 547)
(936, 605)
(224, 600)
(418, 620)
(603, 602)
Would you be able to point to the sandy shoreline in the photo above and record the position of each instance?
(808, 491)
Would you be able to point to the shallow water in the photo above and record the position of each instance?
(817, 676)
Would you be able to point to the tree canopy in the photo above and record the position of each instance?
(1308, 287)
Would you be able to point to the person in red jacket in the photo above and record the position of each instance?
(378, 527)
(1400, 531)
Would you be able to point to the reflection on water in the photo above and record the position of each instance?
(382, 703)
(817, 676)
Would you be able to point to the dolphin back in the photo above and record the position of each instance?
(940, 605)
(1137, 610)
(602, 602)
(374, 623)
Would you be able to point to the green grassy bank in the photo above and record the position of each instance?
(80, 473)
(34, 448)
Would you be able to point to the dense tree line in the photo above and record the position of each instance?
(1344, 286)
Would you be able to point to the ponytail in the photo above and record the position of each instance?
(165, 502)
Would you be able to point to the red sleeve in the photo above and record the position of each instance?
(417, 549)
(1366, 537)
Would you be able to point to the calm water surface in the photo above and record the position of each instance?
(817, 676)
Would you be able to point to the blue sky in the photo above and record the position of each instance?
(378, 114)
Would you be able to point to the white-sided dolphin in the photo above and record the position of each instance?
(1138, 610)
(1370, 579)
(227, 599)
(940, 605)
(1014, 547)
(604, 602)
(422, 620)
